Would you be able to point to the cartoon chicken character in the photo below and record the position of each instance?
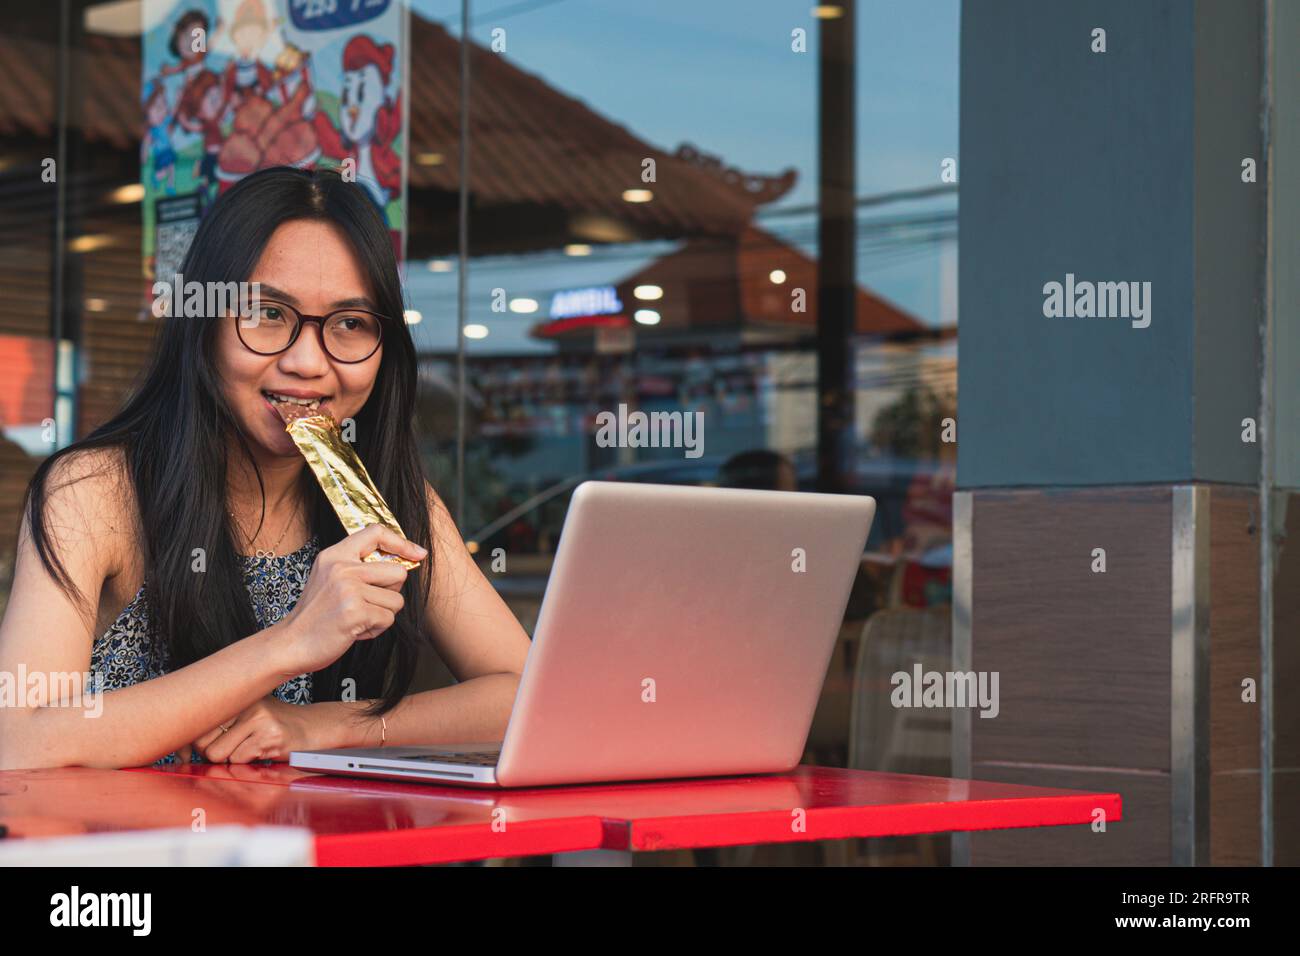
(369, 122)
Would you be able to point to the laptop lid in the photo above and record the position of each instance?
(684, 632)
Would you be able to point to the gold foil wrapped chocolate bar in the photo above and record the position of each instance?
(342, 477)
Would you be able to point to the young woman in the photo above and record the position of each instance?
(183, 553)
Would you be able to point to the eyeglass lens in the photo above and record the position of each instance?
(349, 336)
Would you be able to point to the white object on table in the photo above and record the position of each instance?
(218, 846)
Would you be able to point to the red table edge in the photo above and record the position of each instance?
(433, 845)
(451, 844)
(840, 823)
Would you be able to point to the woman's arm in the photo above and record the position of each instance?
(473, 629)
(480, 640)
(45, 633)
(473, 712)
(138, 724)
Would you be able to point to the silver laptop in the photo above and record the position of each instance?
(685, 632)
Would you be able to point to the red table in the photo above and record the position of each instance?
(371, 823)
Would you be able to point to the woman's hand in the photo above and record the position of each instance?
(267, 730)
(345, 599)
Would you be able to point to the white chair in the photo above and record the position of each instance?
(898, 739)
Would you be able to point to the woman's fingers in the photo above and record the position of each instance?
(384, 597)
(224, 744)
(384, 574)
(202, 743)
(247, 751)
(377, 536)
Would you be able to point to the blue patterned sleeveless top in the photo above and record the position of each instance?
(129, 652)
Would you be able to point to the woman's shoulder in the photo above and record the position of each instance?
(96, 478)
(90, 501)
(441, 524)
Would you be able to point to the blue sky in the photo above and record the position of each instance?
(720, 74)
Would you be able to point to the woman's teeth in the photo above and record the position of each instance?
(288, 400)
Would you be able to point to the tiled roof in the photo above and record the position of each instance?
(531, 145)
(726, 282)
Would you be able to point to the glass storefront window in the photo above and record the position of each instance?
(643, 236)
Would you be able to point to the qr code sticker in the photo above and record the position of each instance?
(173, 241)
(177, 219)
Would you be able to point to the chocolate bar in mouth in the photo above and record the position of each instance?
(342, 476)
(290, 413)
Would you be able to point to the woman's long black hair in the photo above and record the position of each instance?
(177, 431)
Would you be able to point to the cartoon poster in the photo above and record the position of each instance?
(232, 86)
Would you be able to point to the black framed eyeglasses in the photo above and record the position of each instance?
(347, 335)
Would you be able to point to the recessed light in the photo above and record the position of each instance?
(132, 192)
(90, 243)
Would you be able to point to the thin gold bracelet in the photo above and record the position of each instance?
(383, 731)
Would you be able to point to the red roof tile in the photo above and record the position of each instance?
(530, 143)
